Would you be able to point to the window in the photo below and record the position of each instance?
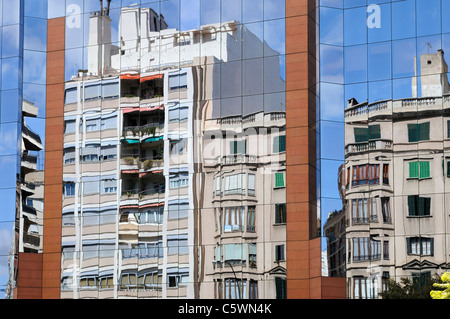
(179, 180)
(366, 248)
(279, 180)
(109, 152)
(251, 218)
(92, 125)
(151, 280)
(279, 253)
(360, 211)
(233, 218)
(152, 216)
(90, 188)
(364, 134)
(178, 114)
(69, 126)
(69, 189)
(69, 155)
(178, 211)
(91, 153)
(386, 209)
(280, 213)
(366, 174)
(365, 288)
(421, 279)
(152, 249)
(92, 92)
(88, 282)
(218, 182)
(279, 144)
(253, 289)
(178, 147)
(420, 169)
(386, 250)
(252, 255)
(235, 288)
(281, 287)
(251, 185)
(177, 81)
(238, 147)
(418, 132)
(419, 206)
(109, 186)
(177, 245)
(386, 174)
(420, 246)
(106, 282)
(385, 281)
(71, 96)
(176, 278)
(108, 123)
(110, 90)
(235, 184)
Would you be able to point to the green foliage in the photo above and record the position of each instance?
(444, 293)
(409, 289)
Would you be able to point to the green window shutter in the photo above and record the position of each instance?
(448, 169)
(361, 134)
(282, 143)
(412, 205)
(279, 144)
(424, 131)
(413, 169)
(421, 211)
(279, 180)
(408, 246)
(427, 210)
(412, 133)
(424, 169)
(374, 132)
(233, 147)
(448, 129)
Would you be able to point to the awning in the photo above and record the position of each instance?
(128, 76)
(142, 109)
(151, 77)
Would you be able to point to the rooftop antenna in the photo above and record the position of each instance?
(101, 7)
(108, 8)
(429, 46)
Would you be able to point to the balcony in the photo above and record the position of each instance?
(238, 159)
(32, 239)
(31, 139)
(143, 131)
(378, 145)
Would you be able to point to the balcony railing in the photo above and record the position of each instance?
(369, 146)
(30, 133)
(31, 239)
(238, 159)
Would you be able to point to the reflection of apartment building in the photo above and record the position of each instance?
(133, 146)
(394, 185)
(29, 205)
(244, 212)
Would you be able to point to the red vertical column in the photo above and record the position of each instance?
(51, 273)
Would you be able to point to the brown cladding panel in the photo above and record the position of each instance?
(51, 274)
(303, 249)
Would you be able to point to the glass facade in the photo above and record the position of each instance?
(23, 44)
(145, 147)
(174, 133)
(384, 129)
